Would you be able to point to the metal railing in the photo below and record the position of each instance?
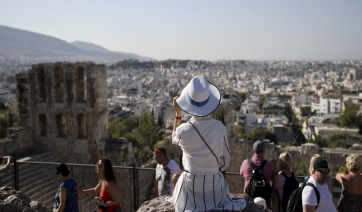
(133, 172)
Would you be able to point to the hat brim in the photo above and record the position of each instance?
(211, 106)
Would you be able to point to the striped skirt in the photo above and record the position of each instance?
(194, 192)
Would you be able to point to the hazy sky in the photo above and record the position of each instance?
(200, 29)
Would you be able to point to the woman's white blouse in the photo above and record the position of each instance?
(197, 158)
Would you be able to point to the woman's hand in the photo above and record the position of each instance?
(101, 201)
(79, 190)
(177, 108)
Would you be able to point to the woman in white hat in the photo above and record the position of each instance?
(206, 153)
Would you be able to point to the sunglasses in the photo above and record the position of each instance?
(324, 171)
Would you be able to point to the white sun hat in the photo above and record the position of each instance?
(199, 97)
(260, 201)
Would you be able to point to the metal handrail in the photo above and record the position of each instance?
(16, 181)
(133, 179)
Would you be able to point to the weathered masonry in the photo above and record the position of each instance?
(63, 106)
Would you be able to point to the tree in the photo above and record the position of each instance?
(148, 130)
(261, 102)
(338, 139)
(349, 117)
(121, 128)
(10, 120)
(3, 126)
(239, 130)
(160, 121)
(257, 134)
(143, 134)
(2, 105)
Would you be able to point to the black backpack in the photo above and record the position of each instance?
(289, 186)
(258, 186)
(295, 199)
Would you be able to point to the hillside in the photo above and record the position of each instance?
(99, 50)
(29, 46)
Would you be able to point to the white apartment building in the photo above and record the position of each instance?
(326, 105)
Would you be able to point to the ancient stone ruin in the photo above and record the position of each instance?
(63, 111)
(17, 201)
(63, 107)
(160, 205)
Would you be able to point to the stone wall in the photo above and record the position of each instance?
(17, 201)
(18, 142)
(63, 109)
(63, 106)
(159, 204)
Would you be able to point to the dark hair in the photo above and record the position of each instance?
(163, 150)
(65, 172)
(108, 172)
(62, 169)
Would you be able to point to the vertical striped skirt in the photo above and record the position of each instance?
(194, 192)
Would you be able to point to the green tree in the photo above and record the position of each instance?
(257, 134)
(271, 137)
(10, 120)
(260, 133)
(148, 130)
(2, 105)
(143, 134)
(160, 121)
(261, 103)
(349, 117)
(239, 130)
(121, 128)
(3, 126)
(338, 139)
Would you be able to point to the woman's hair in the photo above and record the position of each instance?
(175, 177)
(285, 161)
(353, 163)
(312, 160)
(108, 173)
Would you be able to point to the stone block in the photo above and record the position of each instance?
(41, 105)
(159, 204)
(59, 105)
(81, 146)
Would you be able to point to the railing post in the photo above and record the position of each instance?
(130, 190)
(137, 190)
(16, 175)
(134, 188)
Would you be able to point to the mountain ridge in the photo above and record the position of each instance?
(26, 45)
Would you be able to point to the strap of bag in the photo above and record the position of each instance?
(285, 176)
(262, 165)
(252, 165)
(279, 200)
(205, 143)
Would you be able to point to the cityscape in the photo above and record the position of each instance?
(93, 92)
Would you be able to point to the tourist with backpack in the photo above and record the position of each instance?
(312, 160)
(319, 177)
(288, 182)
(259, 174)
